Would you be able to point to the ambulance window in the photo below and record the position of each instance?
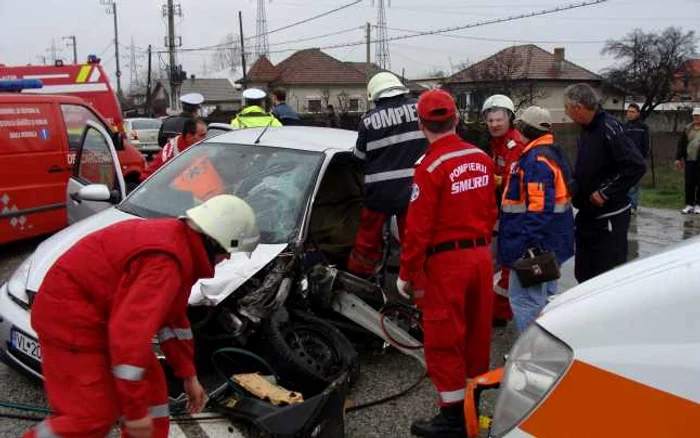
(96, 164)
(75, 118)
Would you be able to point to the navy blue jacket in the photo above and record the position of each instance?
(389, 142)
(638, 132)
(286, 114)
(606, 161)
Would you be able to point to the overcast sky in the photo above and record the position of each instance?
(27, 28)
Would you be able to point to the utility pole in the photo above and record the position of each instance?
(261, 46)
(368, 37)
(240, 25)
(112, 9)
(133, 69)
(42, 58)
(72, 43)
(148, 83)
(170, 10)
(53, 52)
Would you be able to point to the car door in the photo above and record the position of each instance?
(96, 165)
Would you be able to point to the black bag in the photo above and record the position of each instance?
(537, 267)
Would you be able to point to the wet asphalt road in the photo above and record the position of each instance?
(382, 373)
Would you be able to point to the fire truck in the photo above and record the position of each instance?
(43, 113)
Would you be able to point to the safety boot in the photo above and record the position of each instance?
(449, 423)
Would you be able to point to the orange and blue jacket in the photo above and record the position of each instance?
(536, 206)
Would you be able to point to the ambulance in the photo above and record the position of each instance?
(616, 356)
(43, 114)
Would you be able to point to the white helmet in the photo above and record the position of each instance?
(498, 101)
(229, 220)
(385, 84)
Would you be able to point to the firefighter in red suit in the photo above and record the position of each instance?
(193, 131)
(96, 320)
(506, 146)
(446, 260)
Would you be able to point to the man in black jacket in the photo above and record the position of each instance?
(607, 165)
(172, 126)
(389, 142)
(638, 132)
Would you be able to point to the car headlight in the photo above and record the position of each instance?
(17, 284)
(536, 363)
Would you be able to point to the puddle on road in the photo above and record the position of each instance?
(652, 230)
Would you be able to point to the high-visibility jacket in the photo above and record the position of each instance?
(254, 117)
(452, 200)
(389, 142)
(536, 206)
(173, 147)
(115, 290)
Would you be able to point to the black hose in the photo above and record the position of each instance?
(33, 418)
(387, 399)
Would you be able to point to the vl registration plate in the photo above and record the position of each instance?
(26, 344)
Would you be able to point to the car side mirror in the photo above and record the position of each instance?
(118, 140)
(97, 193)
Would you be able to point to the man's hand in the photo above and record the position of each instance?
(196, 395)
(597, 199)
(679, 165)
(404, 288)
(141, 428)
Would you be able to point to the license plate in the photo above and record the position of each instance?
(26, 344)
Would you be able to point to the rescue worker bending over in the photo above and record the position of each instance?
(506, 144)
(253, 115)
(193, 131)
(446, 260)
(536, 212)
(172, 126)
(389, 142)
(96, 321)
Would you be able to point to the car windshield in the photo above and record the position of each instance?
(275, 182)
(145, 124)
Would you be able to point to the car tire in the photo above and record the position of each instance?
(308, 353)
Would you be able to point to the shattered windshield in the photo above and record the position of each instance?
(275, 182)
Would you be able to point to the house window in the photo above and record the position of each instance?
(353, 104)
(313, 105)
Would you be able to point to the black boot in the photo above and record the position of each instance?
(449, 423)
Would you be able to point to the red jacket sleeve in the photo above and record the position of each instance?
(420, 221)
(148, 290)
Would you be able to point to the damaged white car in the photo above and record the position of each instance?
(284, 304)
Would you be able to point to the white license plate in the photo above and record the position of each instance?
(26, 344)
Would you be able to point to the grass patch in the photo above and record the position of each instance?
(668, 191)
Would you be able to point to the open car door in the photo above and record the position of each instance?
(97, 182)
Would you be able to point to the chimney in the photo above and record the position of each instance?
(559, 57)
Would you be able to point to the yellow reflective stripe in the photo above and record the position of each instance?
(83, 75)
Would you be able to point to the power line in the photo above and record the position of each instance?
(506, 40)
(348, 30)
(469, 26)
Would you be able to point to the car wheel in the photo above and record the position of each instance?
(308, 355)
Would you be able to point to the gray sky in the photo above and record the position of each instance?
(27, 28)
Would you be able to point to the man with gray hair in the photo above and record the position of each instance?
(607, 165)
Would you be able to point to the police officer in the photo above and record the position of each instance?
(389, 142)
(446, 260)
(253, 115)
(172, 126)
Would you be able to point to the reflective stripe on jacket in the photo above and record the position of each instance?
(536, 206)
(254, 117)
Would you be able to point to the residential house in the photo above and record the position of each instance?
(687, 83)
(313, 80)
(529, 75)
(220, 94)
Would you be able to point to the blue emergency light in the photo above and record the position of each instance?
(17, 85)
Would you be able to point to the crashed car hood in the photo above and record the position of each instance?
(229, 275)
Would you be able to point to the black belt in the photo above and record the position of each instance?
(452, 245)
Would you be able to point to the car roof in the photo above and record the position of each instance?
(303, 138)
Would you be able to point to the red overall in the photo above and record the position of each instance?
(505, 150)
(448, 229)
(96, 314)
(367, 249)
(173, 147)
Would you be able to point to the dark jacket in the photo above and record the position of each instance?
(606, 161)
(286, 114)
(638, 132)
(172, 127)
(390, 143)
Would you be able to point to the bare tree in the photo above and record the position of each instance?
(228, 55)
(506, 73)
(325, 97)
(649, 64)
(343, 102)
